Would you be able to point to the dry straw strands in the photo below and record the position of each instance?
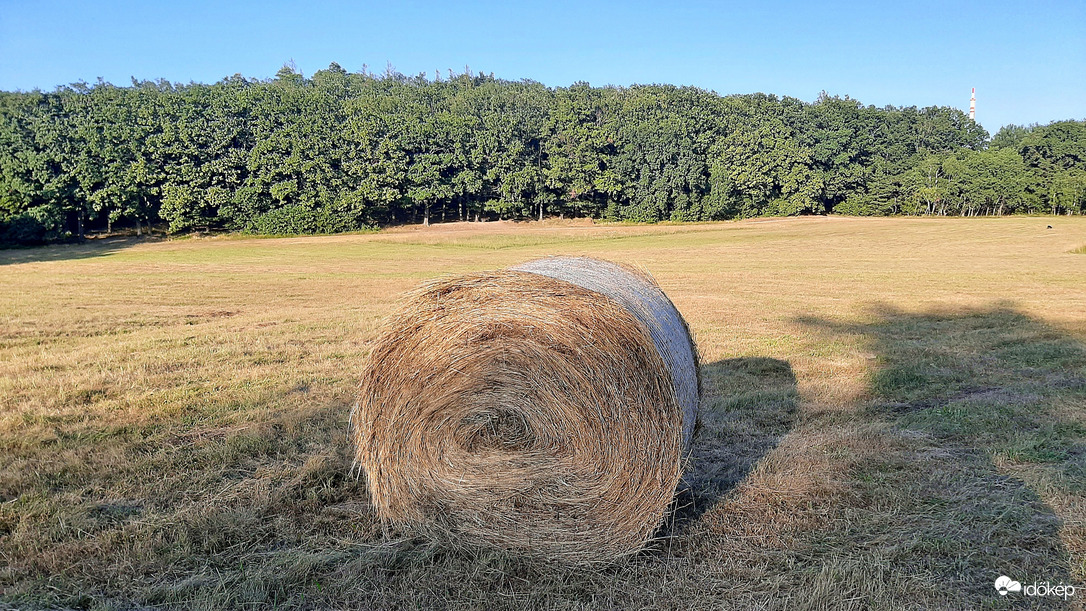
(545, 409)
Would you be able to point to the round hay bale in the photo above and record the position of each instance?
(545, 409)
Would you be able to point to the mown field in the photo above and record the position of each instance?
(895, 415)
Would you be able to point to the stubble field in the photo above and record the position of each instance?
(895, 415)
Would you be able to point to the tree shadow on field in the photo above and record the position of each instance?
(96, 247)
(747, 407)
(980, 466)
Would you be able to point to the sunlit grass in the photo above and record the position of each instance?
(894, 413)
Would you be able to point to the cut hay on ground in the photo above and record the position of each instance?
(546, 409)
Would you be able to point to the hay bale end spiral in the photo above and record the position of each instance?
(546, 409)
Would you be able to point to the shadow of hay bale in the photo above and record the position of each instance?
(748, 406)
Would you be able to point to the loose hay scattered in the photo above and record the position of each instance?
(546, 409)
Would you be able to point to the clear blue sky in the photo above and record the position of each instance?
(1026, 59)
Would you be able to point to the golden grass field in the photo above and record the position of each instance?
(895, 415)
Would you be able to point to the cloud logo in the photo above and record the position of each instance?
(1005, 584)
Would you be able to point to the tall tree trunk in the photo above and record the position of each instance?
(426, 216)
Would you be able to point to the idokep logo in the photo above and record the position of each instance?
(1005, 584)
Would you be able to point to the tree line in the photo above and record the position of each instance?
(342, 151)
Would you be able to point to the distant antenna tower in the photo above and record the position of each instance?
(973, 106)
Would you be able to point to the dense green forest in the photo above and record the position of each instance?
(343, 151)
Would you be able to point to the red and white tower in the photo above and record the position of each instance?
(973, 106)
